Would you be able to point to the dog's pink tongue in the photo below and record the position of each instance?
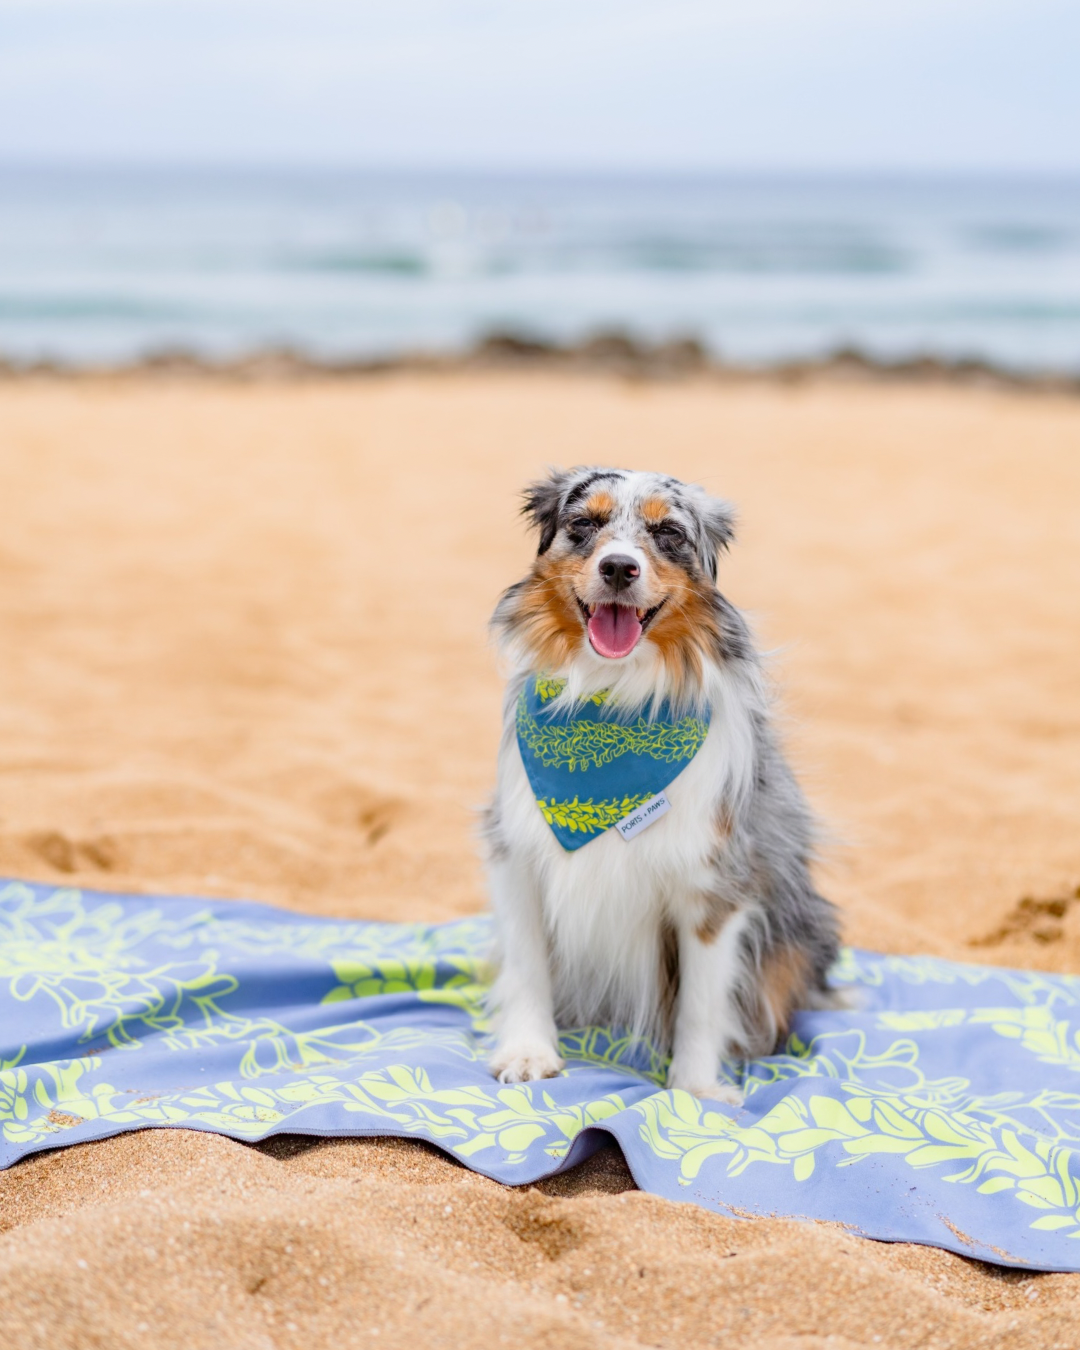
(614, 630)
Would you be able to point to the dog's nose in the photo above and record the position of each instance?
(619, 570)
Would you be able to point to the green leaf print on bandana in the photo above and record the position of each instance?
(589, 770)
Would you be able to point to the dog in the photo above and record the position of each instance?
(698, 927)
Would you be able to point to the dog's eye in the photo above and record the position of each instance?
(669, 535)
(581, 527)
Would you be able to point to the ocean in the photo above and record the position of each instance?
(112, 265)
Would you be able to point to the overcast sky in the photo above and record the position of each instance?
(617, 84)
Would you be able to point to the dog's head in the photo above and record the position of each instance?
(625, 571)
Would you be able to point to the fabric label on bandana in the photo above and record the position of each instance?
(592, 766)
(644, 816)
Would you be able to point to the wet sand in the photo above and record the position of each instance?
(244, 654)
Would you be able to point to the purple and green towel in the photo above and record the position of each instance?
(943, 1109)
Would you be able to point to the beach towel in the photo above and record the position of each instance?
(944, 1108)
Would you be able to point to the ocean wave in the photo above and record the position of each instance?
(748, 256)
(92, 309)
(792, 256)
(1016, 238)
(401, 264)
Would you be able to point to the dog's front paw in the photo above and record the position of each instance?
(524, 1062)
(720, 1092)
(701, 1086)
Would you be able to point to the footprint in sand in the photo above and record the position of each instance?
(98, 853)
(1037, 919)
(353, 806)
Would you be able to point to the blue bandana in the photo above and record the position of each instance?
(589, 771)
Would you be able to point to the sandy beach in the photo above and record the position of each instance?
(243, 628)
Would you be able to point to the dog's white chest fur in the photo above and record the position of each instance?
(604, 905)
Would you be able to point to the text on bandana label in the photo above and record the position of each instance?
(646, 814)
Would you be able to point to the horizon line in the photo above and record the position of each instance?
(551, 170)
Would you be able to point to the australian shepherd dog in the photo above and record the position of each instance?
(704, 932)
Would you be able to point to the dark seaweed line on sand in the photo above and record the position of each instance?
(613, 353)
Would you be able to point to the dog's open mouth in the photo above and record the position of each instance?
(615, 630)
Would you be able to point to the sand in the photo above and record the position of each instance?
(244, 654)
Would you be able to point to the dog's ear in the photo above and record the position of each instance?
(541, 502)
(718, 530)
